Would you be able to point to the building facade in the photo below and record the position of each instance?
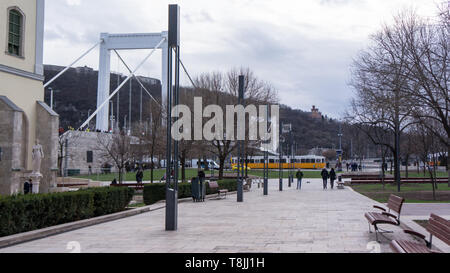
(24, 117)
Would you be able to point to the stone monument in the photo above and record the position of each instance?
(37, 156)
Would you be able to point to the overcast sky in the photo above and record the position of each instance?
(302, 47)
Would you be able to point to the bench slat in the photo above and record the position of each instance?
(439, 230)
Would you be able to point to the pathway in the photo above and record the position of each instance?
(311, 220)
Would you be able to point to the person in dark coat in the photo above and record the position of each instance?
(325, 176)
(332, 178)
(299, 176)
(139, 176)
(27, 187)
(201, 175)
(114, 182)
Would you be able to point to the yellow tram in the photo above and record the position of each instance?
(298, 162)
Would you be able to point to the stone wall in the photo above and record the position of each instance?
(13, 142)
(79, 143)
(47, 133)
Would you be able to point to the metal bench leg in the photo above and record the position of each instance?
(381, 232)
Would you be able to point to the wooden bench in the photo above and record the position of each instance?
(395, 204)
(340, 185)
(403, 181)
(221, 193)
(437, 226)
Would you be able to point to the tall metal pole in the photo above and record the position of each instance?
(240, 177)
(129, 106)
(172, 97)
(140, 109)
(66, 158)
(118, 103)
(111, 115)
(266, 159)
(51, 97)
(281, 157)
(289, 152)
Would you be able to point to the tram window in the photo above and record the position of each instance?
(303, 160)
(323, 160)
(252, 161)
(308, 160)
(318, 161)
(283, 160)
(271, 161)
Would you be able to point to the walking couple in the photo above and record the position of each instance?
(331, 175)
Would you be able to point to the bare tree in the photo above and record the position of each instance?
(116, 147)
(222, 89)
(154, 135)
(329, 154)
(425, 141)
(381, 76)
(71, 138)
(427, 55)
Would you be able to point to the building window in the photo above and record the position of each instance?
(90, 157)
(15, 32)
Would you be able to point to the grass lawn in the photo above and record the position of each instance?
(391, 188)
(413, 193)
(157, 174)
(423, 223)
(414, 174)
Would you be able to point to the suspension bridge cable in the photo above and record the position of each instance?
(142, 85)
(187, 73)
(72, 64)
(121, 85)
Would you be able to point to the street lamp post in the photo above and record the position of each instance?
(340, 135)
(240, 169)
(172, 100)
(89, 114)
(280, 169)
(51, 97)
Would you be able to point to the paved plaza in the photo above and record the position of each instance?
(310, 220)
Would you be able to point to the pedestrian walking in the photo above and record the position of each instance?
(299, 176)
(325, 176)
(332, 178)
(90, 170)
(139, 176)
(201, 175)
(348, 166)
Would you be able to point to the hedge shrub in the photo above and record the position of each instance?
(22, 213)
(157, 192)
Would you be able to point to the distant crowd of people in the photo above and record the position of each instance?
(353, 166)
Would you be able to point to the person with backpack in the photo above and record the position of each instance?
(332, 178)
(325, 176)
(299, 176)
